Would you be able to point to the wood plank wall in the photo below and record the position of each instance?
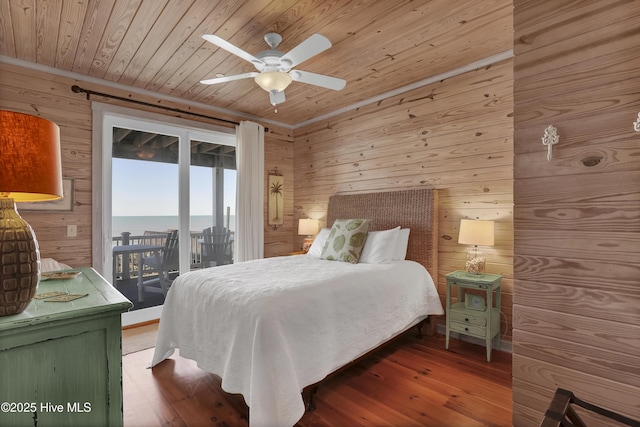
(455, 135)
(577, 217)
(49, 96)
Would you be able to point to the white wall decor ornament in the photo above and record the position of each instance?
(550, 138)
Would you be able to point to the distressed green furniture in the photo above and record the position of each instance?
(61, 362)
(484, 323)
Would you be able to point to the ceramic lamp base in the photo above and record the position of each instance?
(19, 260)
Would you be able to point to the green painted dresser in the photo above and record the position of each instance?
(61, 362)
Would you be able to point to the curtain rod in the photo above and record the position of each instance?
(78, 89)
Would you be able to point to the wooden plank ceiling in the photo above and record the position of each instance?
(378, 45)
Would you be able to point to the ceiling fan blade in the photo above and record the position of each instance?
(310, 47)
(222, 43)
(276, 97)
(228, 78)
(318, 80)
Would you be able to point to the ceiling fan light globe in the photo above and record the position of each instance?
(273, 81)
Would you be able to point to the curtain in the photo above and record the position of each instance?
(249, 233)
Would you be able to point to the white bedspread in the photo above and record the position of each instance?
(273, 326)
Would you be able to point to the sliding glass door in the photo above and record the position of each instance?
(165, 186)
(212, 203)
(144, 213)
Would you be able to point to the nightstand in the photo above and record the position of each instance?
(62, 361)
(469, 315)
(298, 253)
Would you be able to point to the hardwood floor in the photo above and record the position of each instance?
(410, 382)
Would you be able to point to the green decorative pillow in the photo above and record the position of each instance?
(346, 240)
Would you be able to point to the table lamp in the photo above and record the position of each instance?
(308, 227)
(476, 232)
(31, 171)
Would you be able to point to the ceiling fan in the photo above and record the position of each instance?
(275, 68)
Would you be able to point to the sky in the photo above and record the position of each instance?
(144, 188)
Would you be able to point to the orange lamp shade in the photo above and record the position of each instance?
(30, 154)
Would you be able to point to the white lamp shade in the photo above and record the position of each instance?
(308, 227)
(273, 81)
(476, 232)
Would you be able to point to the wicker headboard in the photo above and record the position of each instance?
(414, 209)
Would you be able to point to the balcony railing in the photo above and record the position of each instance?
(127, 270)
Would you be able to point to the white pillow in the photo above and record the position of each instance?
(379, 246)
(400, 250)
(316, 247)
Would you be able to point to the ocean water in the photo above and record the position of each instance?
(137, 225)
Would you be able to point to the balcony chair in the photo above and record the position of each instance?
(163, 264)
(216, 247)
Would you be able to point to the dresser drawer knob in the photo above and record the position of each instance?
(466, 329)
(466, 319)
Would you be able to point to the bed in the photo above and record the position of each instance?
(271, 327)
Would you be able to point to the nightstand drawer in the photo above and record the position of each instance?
(470, 285)
(468, 329)
(464, 317)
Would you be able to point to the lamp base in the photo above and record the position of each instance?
(475, 262)
(308, 241)
(19, 260)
